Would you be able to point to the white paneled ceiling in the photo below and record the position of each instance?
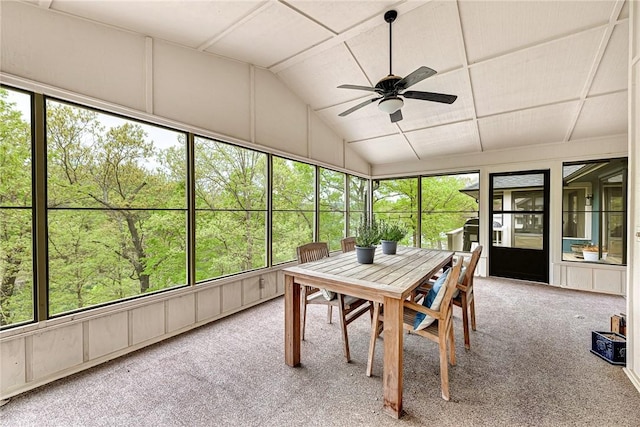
(525, 72)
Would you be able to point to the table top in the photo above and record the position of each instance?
(393, 276)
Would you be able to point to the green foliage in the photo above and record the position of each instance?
(117, 209)
(393, 232)
(368, 233)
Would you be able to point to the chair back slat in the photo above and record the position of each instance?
(348, 244)
(446, 306)
(312, 251)
(467, 281)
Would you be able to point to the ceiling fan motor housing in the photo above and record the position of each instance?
(388, 84)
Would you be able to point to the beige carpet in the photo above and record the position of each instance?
(529, 365)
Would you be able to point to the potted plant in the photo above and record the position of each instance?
(390, 235)
(367, 237)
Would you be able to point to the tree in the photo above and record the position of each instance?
(108, 194)
(231, 201)
(16, 272)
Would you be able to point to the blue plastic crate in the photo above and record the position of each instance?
(610, 346)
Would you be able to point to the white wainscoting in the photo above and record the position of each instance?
(36, 354)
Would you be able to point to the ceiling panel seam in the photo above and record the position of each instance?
(259, 9)
(602, 47)
(366, 25)
(467, 73)
(531, 46)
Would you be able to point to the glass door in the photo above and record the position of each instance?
(520, 222)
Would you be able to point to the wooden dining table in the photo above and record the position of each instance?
(389, 280)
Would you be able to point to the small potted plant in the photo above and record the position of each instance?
(390, 235)
(367, 237)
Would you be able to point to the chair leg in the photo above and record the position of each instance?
(465, 322)
(472, 306)
(329, 313)
(452, 347)
(343, 326)
(374, 336)
(304, 309)
(444, 368)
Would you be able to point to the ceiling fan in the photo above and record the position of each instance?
(391, 88)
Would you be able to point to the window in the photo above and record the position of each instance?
(396, 200)
(16, 218)
(450, 211)
(293, 213)
(116, 207)
(332, 207)
(358, 198)
(594, 211)
(448, 214)
(231, 209)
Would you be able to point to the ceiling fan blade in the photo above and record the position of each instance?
(396, 117)
(430, 96)
(357, 107)
(415, 77)
(367, 88)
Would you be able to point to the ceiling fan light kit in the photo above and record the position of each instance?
(390, 88)
(390, 105)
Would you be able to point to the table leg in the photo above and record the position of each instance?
(392, 374)
(291, 321)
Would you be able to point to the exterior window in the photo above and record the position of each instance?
(16, 218)
(396, 200)
(527, 227)
(594, 211)
(358, 199)
(293, 213)
(231, 209)
(116, 207)
(332, 207)
(450, 211)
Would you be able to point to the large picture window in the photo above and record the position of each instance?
(332, 206)
(231, 209)
(450, 218)
(293, 196)
(396, 201)
(116, 207)
(594, 211)
(448, 213)
(16, 207)
(358, 198)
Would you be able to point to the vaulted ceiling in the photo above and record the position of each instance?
(525, 72)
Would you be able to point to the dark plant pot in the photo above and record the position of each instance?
(389, 247)
(365, 255)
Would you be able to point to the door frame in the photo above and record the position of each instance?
(523, 260)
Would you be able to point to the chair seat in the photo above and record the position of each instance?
(349, 302)
(439, 331)
(349, 308)
(408, 317)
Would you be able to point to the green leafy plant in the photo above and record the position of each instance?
(368, 234)
(392, 232)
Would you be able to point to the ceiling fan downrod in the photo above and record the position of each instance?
(389, 17)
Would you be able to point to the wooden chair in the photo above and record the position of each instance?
(349, 308)
(348, 244)
(440, 331)
(465, 297)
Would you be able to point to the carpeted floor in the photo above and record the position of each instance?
(529, 365)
